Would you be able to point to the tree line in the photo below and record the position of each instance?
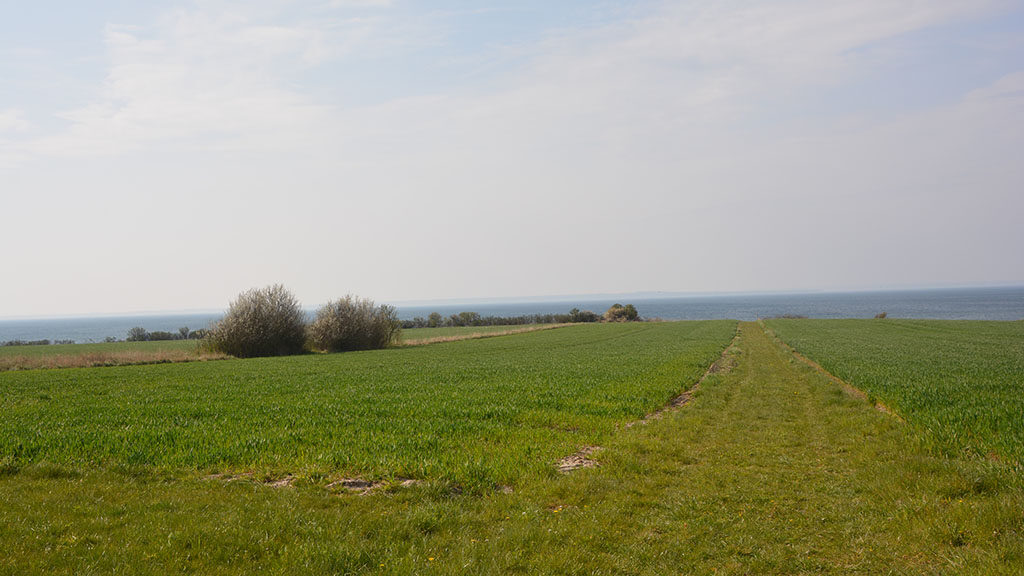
(44, 342)
(616, 313)
(140, 334)
(270, 322)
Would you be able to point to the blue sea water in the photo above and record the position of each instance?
(955, 304)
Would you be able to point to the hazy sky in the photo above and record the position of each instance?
(168, 156)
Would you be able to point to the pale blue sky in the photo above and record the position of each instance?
(166, 156)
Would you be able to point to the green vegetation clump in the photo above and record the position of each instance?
(620, 313)
(260, 322)
(44, 342)
(475, 319)
(352, 323)
(140, 334)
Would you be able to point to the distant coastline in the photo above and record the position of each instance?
(1002, 303)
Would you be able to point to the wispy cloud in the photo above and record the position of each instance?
(13, 120)
(660, 141)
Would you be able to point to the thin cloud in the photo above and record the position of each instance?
(697, 146)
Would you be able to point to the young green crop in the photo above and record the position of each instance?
(475, 412)
(960, 382)
(770, 469)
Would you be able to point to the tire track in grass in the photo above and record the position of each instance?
(582, 457)
(846, 386)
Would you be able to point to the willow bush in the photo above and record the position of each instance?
(353, 323)
(260, 322)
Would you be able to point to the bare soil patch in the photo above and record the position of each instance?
(580, 459)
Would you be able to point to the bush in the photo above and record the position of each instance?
(353, 323)
(261, 322)
(577, 315)
(137, 334)
(620, 313)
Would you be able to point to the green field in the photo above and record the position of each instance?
(961, 383)
(477, 412)
(771, 468)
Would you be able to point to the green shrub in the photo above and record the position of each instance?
(620, 313)
(353, 323)
(261, 322)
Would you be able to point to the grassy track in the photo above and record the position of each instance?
(476, 413)
(960, 383)
(770, 469)
(460, 331)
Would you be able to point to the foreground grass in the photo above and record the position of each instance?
(474, 413)
(770, 469)
(961, 383)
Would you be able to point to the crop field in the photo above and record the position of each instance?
(475, 413)
(770, 468)
(960, 382)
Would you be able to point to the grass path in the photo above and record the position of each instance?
(421, 336)
(771, 469)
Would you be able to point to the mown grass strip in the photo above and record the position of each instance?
(960, 383)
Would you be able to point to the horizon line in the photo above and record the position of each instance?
(551, 298)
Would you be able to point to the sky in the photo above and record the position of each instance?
(168, 156)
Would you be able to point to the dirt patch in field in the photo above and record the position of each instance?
(230, 477)
(846, 386)
(339, 486)
(580, 459)
(281, 482)
(355, 485)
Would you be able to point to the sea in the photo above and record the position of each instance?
(951, 304)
